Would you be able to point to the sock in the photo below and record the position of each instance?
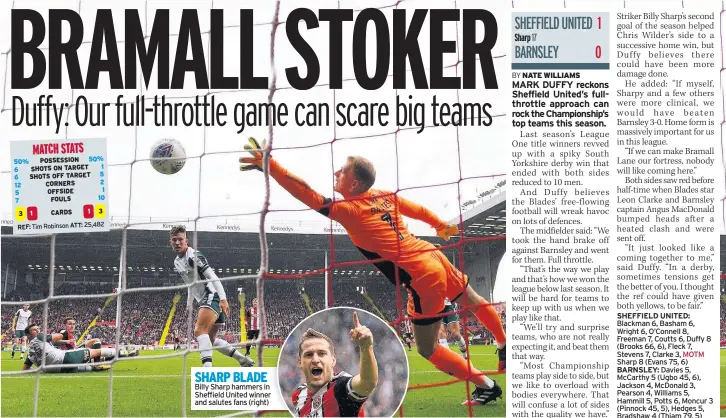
(224, 348)
(25, 348)
(500, 346)
(205, 345)
(488, 383)
(491, 320)
(449, 362)
(12, 353)
(462, 344)
(108, 352)
(247, 353)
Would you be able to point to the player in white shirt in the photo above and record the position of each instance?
(451, 323)
(79, 358)
(21, 320)
(208, 291)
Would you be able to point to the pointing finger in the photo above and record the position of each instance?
(356, 323)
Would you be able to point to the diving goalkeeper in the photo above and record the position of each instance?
(374, 222)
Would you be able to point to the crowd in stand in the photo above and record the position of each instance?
(144, 314)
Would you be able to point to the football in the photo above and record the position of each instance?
(168, 156)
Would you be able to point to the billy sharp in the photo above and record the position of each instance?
(396, 45)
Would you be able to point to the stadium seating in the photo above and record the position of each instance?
(144, 314)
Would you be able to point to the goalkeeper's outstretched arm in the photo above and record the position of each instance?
(296, 186)
(418, 212)
(415, 211)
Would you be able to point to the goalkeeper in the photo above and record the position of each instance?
(374, 222)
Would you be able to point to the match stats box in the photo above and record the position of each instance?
(59, 186)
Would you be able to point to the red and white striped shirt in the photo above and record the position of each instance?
(336, 399)
(406, 326)
(253, 319)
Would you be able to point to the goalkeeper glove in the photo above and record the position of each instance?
(254, 162)
(447, 231)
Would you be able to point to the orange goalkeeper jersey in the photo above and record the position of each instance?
(373, 220)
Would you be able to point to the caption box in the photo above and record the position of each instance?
(235, 388)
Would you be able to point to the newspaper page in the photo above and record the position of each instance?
(376, 208)
(615, 210)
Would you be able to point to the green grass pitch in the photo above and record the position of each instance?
(152, 387)
(723, 376)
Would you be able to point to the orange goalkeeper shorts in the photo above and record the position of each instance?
(433, 278)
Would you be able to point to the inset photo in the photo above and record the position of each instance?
(343, 362)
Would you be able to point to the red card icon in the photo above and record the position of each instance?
(88, 211)
(32, 213)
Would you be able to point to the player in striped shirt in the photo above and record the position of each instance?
(324, 394)
(21, 320)
(208, 291)
(253, 325)
(68, 341)
(176, 339)
(407, 332)
(374, 222)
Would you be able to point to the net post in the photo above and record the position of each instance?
(327, 287)
(189, 335)
(44, 331)
(119, 297)
(7, 272)
(264, 255)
